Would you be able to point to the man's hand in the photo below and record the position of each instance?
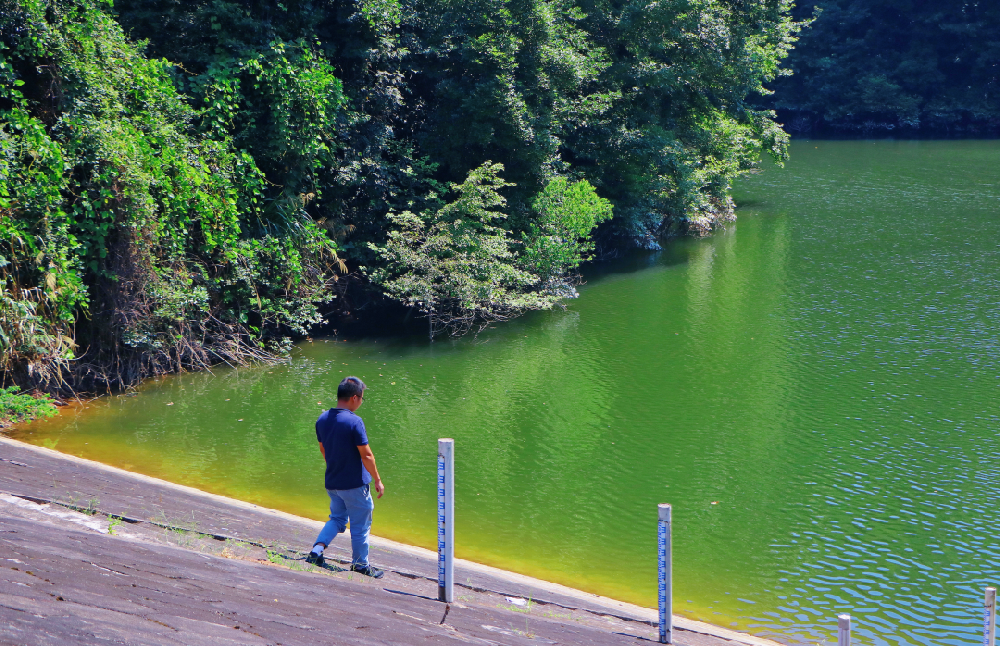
(379, 487)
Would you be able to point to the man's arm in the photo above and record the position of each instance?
(368, 459)
(322, 450)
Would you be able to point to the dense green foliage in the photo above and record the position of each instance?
(179, 178)
(461, 266)
(895, 65)
(646, 102)
(124, 227)
(16, 406)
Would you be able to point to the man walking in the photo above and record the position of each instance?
(350, 471)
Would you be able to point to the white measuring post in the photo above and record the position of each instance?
(990, 618)
(665, 587)
(446, 520)
(843, 630)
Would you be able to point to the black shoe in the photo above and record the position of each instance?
(368, 570)
(315, 559)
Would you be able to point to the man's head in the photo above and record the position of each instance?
(350, 393)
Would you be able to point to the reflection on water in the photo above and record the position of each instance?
(813, 389)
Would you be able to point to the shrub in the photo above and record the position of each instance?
(20, 407)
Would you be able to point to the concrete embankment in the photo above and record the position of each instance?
(93, 554)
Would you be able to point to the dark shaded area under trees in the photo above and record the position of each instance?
(188, 182)
(901, 67)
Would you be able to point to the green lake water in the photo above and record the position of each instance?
(815, 390)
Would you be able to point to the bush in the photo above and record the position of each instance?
(20, 407)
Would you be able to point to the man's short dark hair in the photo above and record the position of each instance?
(350, 387)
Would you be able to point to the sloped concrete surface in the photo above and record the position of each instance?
(128, 559)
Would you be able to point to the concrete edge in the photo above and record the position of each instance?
(612, 605)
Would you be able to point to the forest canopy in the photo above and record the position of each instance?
(894, 66)
(186, 182)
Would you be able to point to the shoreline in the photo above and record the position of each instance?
(501, 582)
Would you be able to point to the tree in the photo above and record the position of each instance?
(455, 265)
(558, 239)
(895, 65)
(130, 235)
(181, 180)
(680, 128)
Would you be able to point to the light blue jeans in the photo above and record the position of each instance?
(355, 505)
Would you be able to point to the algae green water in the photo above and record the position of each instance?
(814, 389)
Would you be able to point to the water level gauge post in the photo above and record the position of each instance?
(446, 520)
(990, 617)
(843, 630)
(665, 587)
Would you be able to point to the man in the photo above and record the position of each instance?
(350, 471)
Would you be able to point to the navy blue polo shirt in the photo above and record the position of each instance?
(341, 432)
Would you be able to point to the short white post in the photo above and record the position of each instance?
(446, 520)
(843, 630)
(990, 618)
(665, 589)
